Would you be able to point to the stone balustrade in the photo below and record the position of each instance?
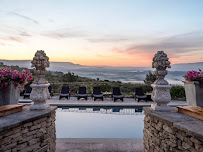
(27, 130)
(172, 131)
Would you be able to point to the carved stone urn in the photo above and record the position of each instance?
(40, 86)
(161, 89)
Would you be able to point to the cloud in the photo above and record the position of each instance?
(23, 16)
(107, 40)
(23, 33)
(9, 34)
(175, 45)
(111, 39)
(64, 33)
(13, 30)
(13, 38)
(2, 44)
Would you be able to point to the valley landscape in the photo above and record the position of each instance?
(123, 74)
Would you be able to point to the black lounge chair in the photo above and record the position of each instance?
(65, 93)
(97, 94)
(50, 91)
(139, 94)
(27, 92)
(82, 93)
(117, 94)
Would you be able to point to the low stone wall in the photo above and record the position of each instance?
(27, 131)
(172, 131)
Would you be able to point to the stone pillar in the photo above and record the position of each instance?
(161, 89)
(40, 92)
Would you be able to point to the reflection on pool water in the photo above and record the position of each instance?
(99, 122)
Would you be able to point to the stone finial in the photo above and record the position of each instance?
(161, 62)
(40, 92)
(40, 62)
(161, 89)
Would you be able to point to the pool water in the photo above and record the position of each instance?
(99, 123)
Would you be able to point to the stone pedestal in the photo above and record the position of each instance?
(39, 95)
(161, 96)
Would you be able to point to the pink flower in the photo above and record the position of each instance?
(15, 85)
(26, 82)
(30, 77)
(21, 76)
(6, 90)
(13, 76)
(202, 91)
(1, 85)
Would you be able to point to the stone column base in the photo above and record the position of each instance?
(39, 95)
(157, 107)
(38, 106)
(161, 96)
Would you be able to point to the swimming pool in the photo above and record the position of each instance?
(99, 122)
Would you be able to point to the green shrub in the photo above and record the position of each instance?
(177, 92)
(150, 78)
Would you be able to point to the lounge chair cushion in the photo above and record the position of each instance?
(98, 95)
(65, 94)
(142, 97)
(82, 95)
(118, 96)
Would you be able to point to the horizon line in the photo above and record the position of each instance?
(95, 65)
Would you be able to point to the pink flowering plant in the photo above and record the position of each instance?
(195, 76)
(19, 78)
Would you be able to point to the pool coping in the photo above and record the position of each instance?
(99, 144)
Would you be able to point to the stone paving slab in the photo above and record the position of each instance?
(98, 145)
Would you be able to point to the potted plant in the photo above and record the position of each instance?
(194, 88)
(11, 83)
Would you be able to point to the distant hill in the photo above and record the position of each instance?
(187, 66)
(68, 66)
(54, 66)
(123, 74)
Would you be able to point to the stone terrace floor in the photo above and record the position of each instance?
(98, 145)
(54, 101)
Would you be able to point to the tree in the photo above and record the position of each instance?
(150, 78)
(70, 77)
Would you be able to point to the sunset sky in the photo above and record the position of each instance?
(102, 32)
